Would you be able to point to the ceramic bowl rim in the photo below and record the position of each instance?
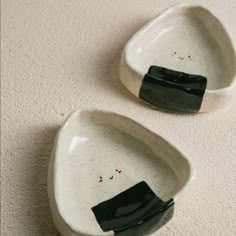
(166, 11)
(52, 177)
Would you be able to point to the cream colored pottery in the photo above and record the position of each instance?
(98, 155)
(185, 38)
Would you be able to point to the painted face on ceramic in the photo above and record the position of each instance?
(181, 57)
(108, 174)
(101, 179)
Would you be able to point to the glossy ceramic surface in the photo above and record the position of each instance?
(185, 38)
(172, 89)
(132, 209)
(99, 155)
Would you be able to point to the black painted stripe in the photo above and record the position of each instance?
(133, 210)
(173, 90)
(150, 225)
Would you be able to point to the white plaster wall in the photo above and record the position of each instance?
(58, 56)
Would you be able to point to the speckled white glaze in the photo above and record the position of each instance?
(168, 40)
(95, 143)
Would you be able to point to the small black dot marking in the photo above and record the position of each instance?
(111, 177)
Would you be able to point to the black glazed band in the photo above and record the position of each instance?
(173, 90)
(134, 211)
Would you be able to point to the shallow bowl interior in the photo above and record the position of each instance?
(94, 144)
(185, 38)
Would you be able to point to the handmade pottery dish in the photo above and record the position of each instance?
(109, 175)
(185, 38)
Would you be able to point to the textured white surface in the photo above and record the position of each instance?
(58, 56)
(89, 147)
(183, 29)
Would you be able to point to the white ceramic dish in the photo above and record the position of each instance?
(185, 38)
(98, 155)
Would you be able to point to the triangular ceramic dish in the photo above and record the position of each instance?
(109, 175)
(185, 38)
